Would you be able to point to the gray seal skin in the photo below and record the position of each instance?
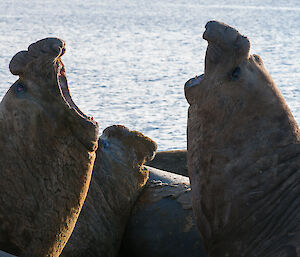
(117, 180)
(47, 152)
(243, 153)
(173, 161)
(162, 223)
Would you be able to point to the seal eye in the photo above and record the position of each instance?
(20, 87)
(105, 144)
(20, 90)
(235, 74)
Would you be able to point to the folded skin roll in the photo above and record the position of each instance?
(162, 221)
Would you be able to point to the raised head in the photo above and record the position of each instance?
(139, 148)
(42, 91)
(236, 92)
(127, 148)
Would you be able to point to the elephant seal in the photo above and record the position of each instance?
(162, 221)
(243, 153)
(47, 153)
(117, 180)
(173, 161)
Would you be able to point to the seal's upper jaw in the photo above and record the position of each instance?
(225, 36)
(38, 53)
(41, 70)
(225, 46)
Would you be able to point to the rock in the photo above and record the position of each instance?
(162, 222)
(118, 178)
(47, 151)
(243, 153)
(172, 161)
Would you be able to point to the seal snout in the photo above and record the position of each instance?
(225, 36)
(51, 46)
(219, 32)
(37, 54)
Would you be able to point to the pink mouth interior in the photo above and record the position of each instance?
(194, 81)
(63, 84)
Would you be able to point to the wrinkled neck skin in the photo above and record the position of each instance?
(43, 188)
(249, 185)
(243, 158)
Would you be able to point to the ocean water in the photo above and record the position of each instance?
(127, 61)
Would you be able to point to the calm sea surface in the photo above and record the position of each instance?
(127, 61)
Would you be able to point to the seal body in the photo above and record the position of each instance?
(162, 221)
(118, 178)
(243, 153)
(47, 151)
(173, 161)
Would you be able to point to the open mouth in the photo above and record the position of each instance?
(42, 59)
(65, 93)
(194, 81)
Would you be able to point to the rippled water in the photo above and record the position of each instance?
(127, 61)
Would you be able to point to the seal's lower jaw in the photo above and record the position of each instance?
(194, 81)
(89, 137)
(192, 86)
